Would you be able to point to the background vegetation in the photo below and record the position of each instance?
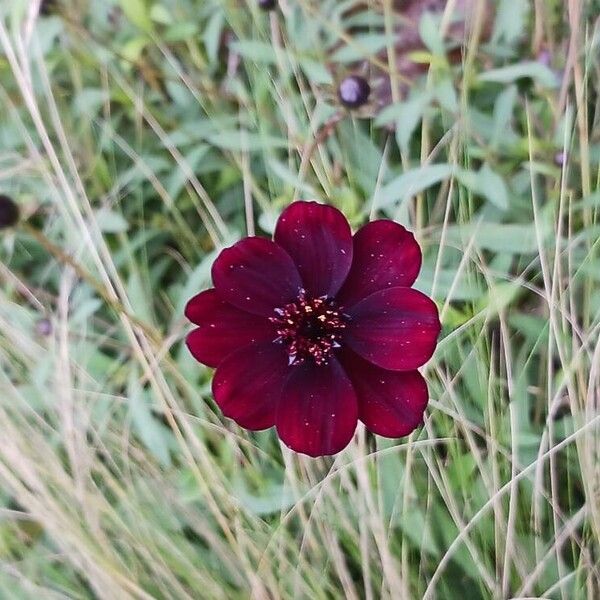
(138, 139)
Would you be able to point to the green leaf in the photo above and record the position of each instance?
(531, 69)
(133, 49)
(361, 155)
(138, 13)
(89, 101)
(418, 530)
(498, 237)
(361, 47)
(153, 434)
(291, 178)
(160, 14)
(259, 52)
(429, 28)
(500, 296)
(316, 72)
(180, 31)
(503, 113)
(485, 183)
(493, 187)
(450, 283)
(414, 181)
(47, 32)
(510, 21)
(408, 116)
(244, 141)
(409, 119)
(274, 498)
(138, 295)
(110, 221)
(267, 221)
(213, 34)
(446, 95)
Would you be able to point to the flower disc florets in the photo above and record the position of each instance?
(309, 328)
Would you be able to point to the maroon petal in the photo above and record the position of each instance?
(248, 383)
(390, 403)
(317, 414)
(319, 239)
(384, 255)
(395, 328)
(256, 275)
(223, 328)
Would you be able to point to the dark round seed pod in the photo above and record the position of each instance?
(354, 91)
(9, 212)
(266, 4)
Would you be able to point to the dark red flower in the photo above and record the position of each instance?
(317, 329)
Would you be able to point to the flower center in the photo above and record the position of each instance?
(309, 328)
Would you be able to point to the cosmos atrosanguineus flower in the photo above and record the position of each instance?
(317, 329)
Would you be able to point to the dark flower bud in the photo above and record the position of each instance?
(9, 212)
(47, 7)
(266, 4)
(354, 91)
